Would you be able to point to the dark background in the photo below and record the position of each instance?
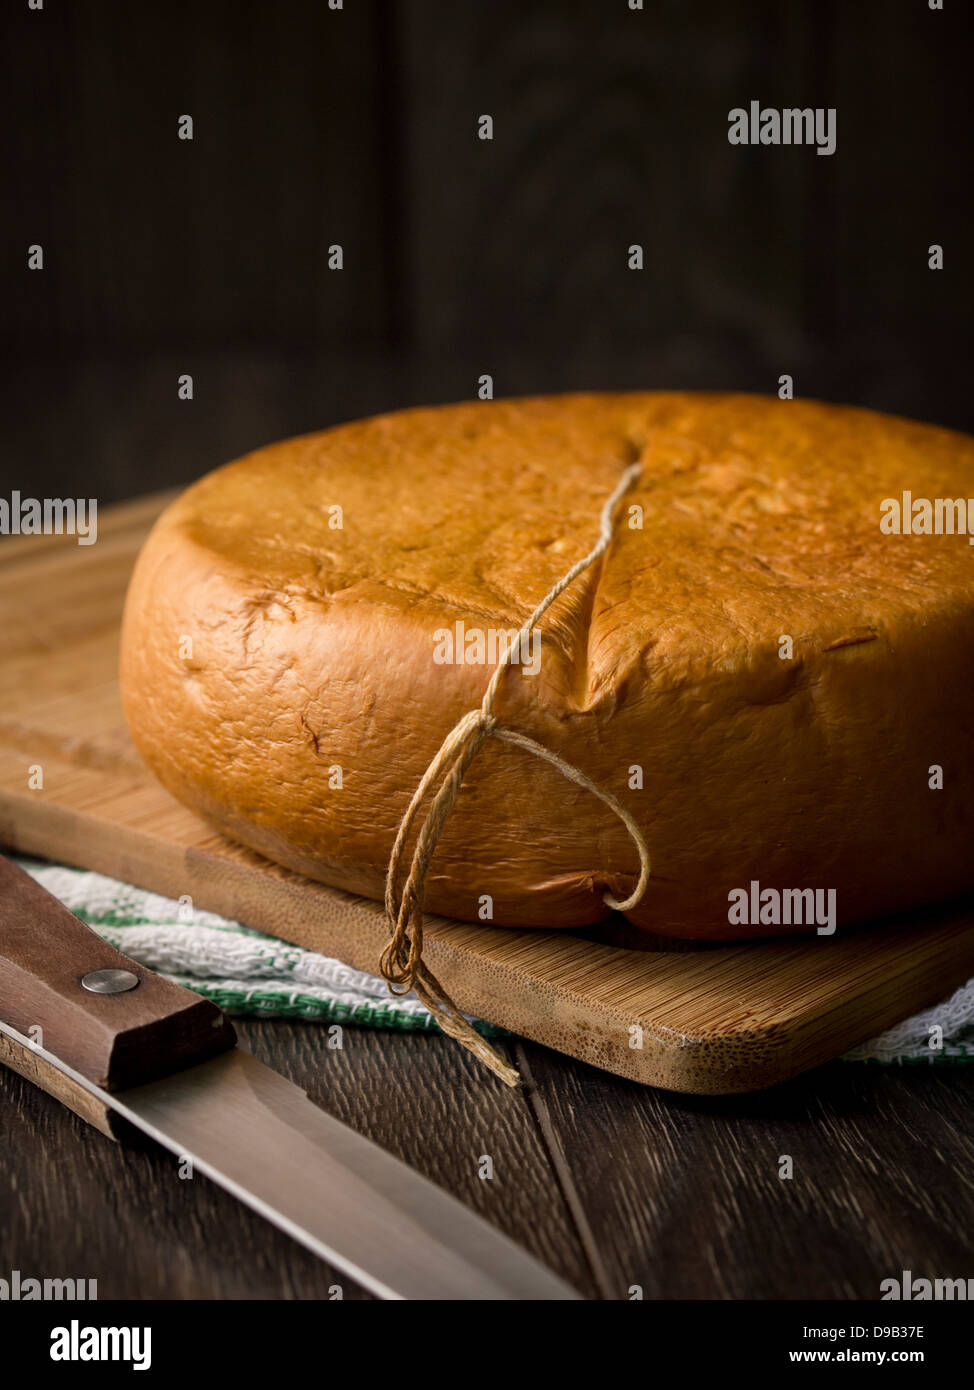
(358, 126)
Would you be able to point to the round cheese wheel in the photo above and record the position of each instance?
(763, 668)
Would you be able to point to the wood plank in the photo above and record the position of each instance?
(159, 243)
(686, 1201)
(609, 129)
(714, 1019)
(704, 1019)
(79, 1202)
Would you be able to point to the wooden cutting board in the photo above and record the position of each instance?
(706, 1019)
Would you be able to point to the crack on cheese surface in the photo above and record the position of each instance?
(312, 648)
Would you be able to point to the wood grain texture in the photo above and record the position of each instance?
(713, 1020)
(684, 1195)
(40, 1073)
(609, 130)
(358, 126)
(609, 1183)
(114, 1040)
(72, 1203)
(75, 1205)
(285, 108)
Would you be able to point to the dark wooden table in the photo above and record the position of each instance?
(613, 1185)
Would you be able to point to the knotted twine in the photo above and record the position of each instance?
(402, 964)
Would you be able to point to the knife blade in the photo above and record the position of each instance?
(167, 1061)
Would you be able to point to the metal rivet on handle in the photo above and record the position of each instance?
(109, 981)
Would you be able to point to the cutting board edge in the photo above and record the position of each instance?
(703, 1064)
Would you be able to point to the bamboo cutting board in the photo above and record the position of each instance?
(707, 1019)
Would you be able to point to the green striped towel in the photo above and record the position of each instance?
(245, 972)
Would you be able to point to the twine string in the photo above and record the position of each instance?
(402, 961)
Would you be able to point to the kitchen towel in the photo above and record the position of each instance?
(248, 973)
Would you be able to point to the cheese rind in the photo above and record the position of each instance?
(279, 668)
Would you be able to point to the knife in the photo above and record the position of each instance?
(119, 1044)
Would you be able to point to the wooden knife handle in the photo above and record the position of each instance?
(113, 1039)
(87, 1105)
